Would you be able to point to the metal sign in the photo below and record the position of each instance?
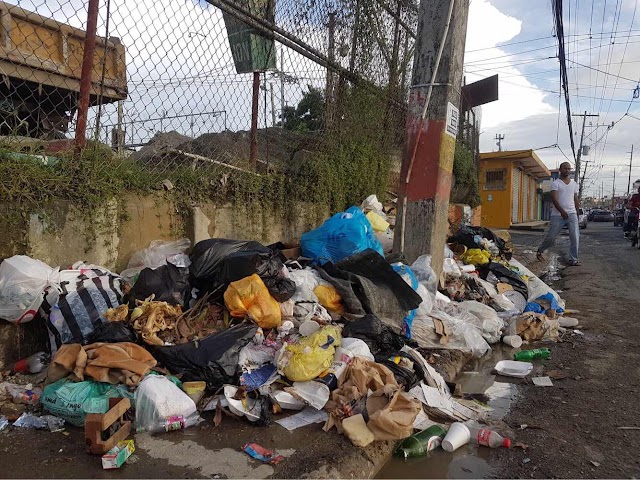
(453, 118)
(480, 92)
(251, 51)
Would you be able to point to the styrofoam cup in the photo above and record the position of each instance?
(514, 341)
(457, 436)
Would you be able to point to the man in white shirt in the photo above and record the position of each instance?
(566, 202)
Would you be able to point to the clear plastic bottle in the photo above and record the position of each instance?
(488, 438)
(33, 364)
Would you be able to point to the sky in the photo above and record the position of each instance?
(603, 35)
(179, 65)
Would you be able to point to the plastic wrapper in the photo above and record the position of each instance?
(159, 252)
(45, 422)
(161, 406)
(341, 236)
(371, 203)
(112, 332)
(306, 280)
(409, 277)
(476, 256)
(280, 288)
(310, 356)
(490, 324)
(22, 284)
(424, 273)
(329, 298)
(251, 297)
(377, 221)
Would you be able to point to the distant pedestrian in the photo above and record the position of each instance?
(564, 195)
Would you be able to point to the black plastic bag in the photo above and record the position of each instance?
(168, 283)
(280, 288)
(219, 261)
(382, 340)
(112, 332)
(465, 236)
(403, 375)
(213, 359)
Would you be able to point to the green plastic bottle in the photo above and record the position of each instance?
(421, 443)
(526, 355)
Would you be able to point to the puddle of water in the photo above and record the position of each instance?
(469, 461)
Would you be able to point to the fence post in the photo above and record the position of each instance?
(87, 73)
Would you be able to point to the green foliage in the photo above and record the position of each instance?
(308, 116)
(466, 187)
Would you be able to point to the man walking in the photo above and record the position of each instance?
(564, 195)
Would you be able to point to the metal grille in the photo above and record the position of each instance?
(173, 82)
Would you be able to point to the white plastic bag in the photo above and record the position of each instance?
(451, 267)
(161, 406)
(424, 273)
(160, 252)
(371, 203)
(491, 324)
(22, 284)
(354, 347)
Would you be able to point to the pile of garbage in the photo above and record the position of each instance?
(329, 329)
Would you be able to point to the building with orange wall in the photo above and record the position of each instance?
(510, 187)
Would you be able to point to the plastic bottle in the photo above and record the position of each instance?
(421, 443)
(488, 438)
(526, 355)
(33, 364)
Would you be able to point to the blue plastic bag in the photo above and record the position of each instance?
(343, 235)
(537, 308)
(406, 273)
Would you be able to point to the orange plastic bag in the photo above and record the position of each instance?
(251, 296)
(329, 298)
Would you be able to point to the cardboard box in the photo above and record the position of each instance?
(118, 455)
(292, 252)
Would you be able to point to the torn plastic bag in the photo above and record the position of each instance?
(167, 283)
(214, 359)
(329, 298)
(22, 284)
(536, 287)
(380, 338)
(342, 235)
(367, 283)
(112, 332)
(466, 331)
(158, 253)
(504, 275)
(251, 297)
(76, 306)
(543, 303)
(218, 261)
(491, 325)
(280, 288)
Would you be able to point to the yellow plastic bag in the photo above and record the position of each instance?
(329, 298)
(310, 356)
(251, 296)
(378, 223)
(476, 256)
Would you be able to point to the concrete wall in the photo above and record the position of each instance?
(61, 234)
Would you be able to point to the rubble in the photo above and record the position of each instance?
(328, 331)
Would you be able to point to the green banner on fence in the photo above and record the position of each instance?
(251, 51)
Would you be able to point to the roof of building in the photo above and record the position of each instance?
(526, 158)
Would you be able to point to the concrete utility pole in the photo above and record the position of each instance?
(499, 138)
(431, 129)
(613, 190)
(577, 172)
(630, 164)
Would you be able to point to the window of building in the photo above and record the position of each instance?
(495, 179)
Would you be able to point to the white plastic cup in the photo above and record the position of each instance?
(309, 327)
(514, 341)
(457, 436)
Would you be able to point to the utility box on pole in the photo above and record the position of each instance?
(427, 164)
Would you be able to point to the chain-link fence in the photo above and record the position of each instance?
(207, 91)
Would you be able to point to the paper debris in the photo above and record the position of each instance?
(542, 382)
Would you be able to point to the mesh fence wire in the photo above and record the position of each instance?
(172, 84)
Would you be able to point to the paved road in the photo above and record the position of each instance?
(575, 426)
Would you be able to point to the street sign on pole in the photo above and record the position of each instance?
(251, 51)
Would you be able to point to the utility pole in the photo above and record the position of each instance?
(499, 138)
(577, 172)
(613, 190)
(630, 164)
(431, 130)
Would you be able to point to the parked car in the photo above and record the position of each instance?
(603, 216)
(618, 219)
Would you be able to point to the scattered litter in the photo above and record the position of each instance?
(306, 417)
(4, 423)
(525, 461)
(260, 453)
(512, 368)
(542, 382)
(118, 455)
(45, 422)
(594, 463)
(578, 332)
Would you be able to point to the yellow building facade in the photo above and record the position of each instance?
(509, 183)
